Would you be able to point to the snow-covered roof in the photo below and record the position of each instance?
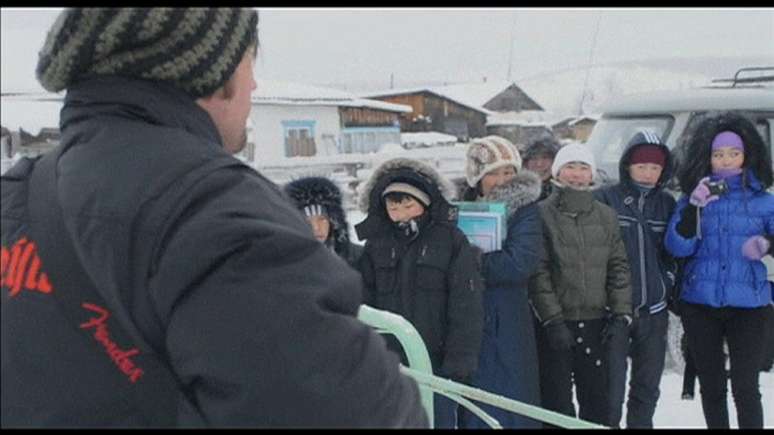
(693, 99)
(594, 117)
(427, 138)
(465, 95)
(474, 94)
(287, 93)
(527, 118)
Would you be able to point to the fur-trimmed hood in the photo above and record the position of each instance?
(322, 191)
(523, 189)
(401, 169)
(695, 163)
(393, 169)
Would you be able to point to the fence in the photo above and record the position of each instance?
(421, 370)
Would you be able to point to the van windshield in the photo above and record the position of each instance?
(611, 134)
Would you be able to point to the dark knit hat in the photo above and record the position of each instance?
(648, 153)
(194, 49)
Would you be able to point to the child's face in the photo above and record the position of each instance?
(405, 210)
(576, 174)
(646, 174)
(321, 227)
(727, 158)
(540, 165)
(496, 177)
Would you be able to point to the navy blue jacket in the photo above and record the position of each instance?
(643, 218)
(508, 363)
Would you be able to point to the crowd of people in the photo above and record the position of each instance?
(587, 273)
(233, 301)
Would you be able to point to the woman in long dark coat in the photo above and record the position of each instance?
(508, 363)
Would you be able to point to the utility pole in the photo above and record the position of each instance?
(591, 63)
(392, 81)
(510, 49)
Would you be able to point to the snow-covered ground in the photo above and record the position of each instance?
(672, 412)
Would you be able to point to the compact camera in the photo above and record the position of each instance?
(717, 187)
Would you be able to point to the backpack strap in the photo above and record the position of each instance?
(146, 379)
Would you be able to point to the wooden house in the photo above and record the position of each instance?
(461, 110)
(297, 120)
(576, 128)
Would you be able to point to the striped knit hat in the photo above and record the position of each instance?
(194, 49)
(487, 154)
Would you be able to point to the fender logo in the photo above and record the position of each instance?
(120, 357)
(20, 269)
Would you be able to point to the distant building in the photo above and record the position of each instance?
(30, 123)
(461, 110)
(521, 128)
(576, 128)
(297, 120)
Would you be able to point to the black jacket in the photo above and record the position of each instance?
(219, 273)
(653, 269)
(432, 279)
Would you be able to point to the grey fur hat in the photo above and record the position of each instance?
(194, 49)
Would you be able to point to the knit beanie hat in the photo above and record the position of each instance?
(408, 189)
(648, 153)
(487, 154)
(727, 139)
(574, 152)
(194, 49)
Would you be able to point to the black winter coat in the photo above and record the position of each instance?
(431, 280)
(220, 274)
(652, 268)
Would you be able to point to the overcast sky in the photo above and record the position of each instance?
(354, 46)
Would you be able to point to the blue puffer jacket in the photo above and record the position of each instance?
(508, 363)
(717, 274)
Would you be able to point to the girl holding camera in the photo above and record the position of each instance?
(723, 228)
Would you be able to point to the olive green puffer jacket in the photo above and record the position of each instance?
(584, 272)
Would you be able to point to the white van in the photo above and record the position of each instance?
(668, 114)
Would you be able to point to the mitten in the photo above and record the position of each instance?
(616, 326)
(755, 247)
(559, 336)
(700, 196)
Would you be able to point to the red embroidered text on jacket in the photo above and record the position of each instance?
(20, 268)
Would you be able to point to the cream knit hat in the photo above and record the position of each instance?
(487, 154)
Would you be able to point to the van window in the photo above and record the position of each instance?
(611, 134)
